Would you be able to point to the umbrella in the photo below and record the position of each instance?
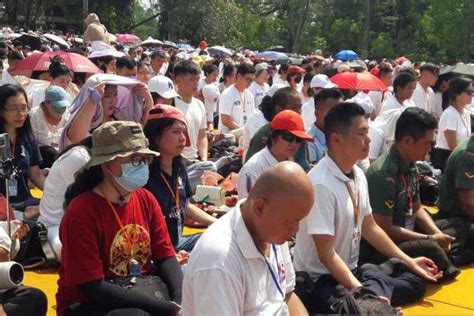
(170, 44)
(41, 62)
(346, 55)
(459, 69)
(150, 41)
(128, 38)
(56, 39)
(185, 46)
(358, 81)
(249, 53)
(272, 55)
(277, 48)
(219, 51)
(33, 41)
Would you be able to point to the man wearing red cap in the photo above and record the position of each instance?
(287, 134)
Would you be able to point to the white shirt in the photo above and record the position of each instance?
(278, 80)
(254, 123)
(45, 133)
(211, 95)
(437, 104)
(6, 241)
(332, 214)
(252, 170)
(239, 105)
(258, 92)
(227, 267)
(392, 103)
(60, 177)
(423, 98)
(307, 113)
(195, 114)
(378, 99)
(454, 121)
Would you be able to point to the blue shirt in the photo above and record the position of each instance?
(318, 148)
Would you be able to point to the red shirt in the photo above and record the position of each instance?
(94, 247)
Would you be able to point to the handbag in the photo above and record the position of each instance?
(150, 286)
(35, 250)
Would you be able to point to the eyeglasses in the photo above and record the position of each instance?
(288, 137)
(138, 160)
(22, 110)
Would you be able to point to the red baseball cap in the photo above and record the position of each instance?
(161, 111)
(292, 70)
(292, 122)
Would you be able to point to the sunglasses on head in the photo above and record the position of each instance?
(288, 137)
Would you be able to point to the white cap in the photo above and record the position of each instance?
(163, 86)
(322, 81)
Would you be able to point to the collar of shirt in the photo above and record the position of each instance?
(335, 170)
(318, 134)
(403, 167)
(267, 154)
(244, 239)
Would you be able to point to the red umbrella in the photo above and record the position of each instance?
(128, 38)
(358, 81)
(41, 62)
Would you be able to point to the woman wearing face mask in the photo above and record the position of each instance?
(119, 231)
(47, 122)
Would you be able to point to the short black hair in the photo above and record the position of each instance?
(209, 69)
(414, 122)
(434, 69)
(324, 94)
(126, 61)
(58, 68)
(186, 67)
(284, 68)
(308, 76)
(245, 68)
(14, 55)
(403, 79)
(158, 53)
(457, 86)
(384, 70)
(339, 118)
(228, 70)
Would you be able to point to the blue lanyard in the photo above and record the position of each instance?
(274, 276)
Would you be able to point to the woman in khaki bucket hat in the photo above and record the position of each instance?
(114, 234)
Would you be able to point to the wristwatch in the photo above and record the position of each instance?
(429, 237)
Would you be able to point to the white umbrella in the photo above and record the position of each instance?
(57, 40)
(220, 50)
(151, 41)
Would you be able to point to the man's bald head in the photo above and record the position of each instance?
(280, 198)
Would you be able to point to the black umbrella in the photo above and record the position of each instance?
(33, 41)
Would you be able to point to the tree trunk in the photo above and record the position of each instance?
(366, 37)
(299, 29)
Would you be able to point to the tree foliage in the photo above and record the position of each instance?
(440, 30)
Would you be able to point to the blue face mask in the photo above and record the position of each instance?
(133, 177)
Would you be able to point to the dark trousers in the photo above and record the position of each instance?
(462, 249)
(415, 248)
(91, 309)
(390, 279)
(24, 301)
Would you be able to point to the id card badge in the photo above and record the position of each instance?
(13, 187)
(410, 222)
(355, 244)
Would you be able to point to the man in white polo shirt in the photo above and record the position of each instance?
(236, 103)
(287, 134)
(242, 264)
(424, 94)
(327, 244)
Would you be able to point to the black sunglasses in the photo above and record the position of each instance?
(290, 137)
